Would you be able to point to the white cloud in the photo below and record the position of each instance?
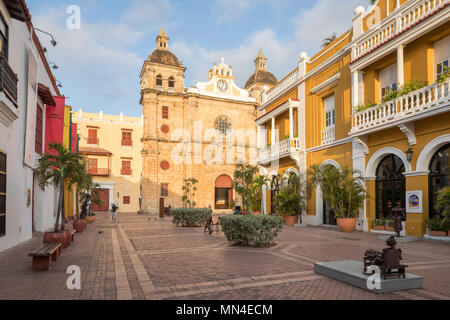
(325, 17)
(232, 10)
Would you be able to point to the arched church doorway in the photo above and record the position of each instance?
(223, 193)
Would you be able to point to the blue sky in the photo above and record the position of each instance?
(99, 64)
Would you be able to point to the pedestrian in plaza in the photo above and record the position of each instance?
(238, 211)
(114, 209)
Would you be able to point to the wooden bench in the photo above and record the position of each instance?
(43, 257)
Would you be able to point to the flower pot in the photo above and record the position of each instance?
(59, 237)
(79, 225)
(347, 225)
(91, 219)
(382, 228)
(434, 233)
(68, 234)
(257, 213)
(291, 220)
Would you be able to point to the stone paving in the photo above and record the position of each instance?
(139, 258)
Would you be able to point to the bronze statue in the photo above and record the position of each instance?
(388, 261)
(399, 215)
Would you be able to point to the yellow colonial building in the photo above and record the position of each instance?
(112, 145)
(198, 132)
(376, 99)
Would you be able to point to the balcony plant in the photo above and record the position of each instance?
(59, 166)
(365, 106)
(343, 192)
(389, 225)
(290, 202)
(445, 75)
(405, 89)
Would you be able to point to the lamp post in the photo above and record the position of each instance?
(409, 154)
(53, 41)
(54, 65)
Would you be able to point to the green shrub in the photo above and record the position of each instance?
(379, 222)
(435, 225)
(365, 106)
(389, 222)
(246, 230)
(405, 89)
(190, 217)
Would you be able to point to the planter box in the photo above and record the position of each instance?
(291, 220)
(437, 233)
(389, 228)
(382, 228)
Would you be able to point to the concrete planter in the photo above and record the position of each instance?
(60, 237)
(380, 228)
(68, 234)
(347, 225)
(91, 219)
(437, 233)
(389, 228)
(79, 225)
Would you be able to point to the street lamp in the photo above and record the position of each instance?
(53, 41)
(409, 154)
(58, 83)
(54, 65)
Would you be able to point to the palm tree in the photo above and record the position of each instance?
(291, 200)
(327, 41)
(343, 190)
(255, 194)
(58, 166)
(443, 205)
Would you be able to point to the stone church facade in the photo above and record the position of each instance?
(198, 132)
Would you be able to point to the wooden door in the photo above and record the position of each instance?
(161, 208)
(104, 206)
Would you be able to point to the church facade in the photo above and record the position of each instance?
(199, 132)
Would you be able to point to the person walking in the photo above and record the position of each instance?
(114, 209)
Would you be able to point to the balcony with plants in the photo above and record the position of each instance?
(412, 101)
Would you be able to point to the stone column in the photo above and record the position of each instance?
(274, 134)
(291, 122)
(355, 88)
(400, 66)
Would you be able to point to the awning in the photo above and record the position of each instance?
(46, 95)
(94, 151)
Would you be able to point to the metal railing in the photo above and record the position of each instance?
(8, 80)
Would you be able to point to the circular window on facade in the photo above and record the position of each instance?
(165, 165)
(165, 128)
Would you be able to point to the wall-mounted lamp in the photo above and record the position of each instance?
(54, 65)
(53, 41)
(409, 154)
(58, 83)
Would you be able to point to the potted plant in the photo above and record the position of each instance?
(443, 205)
(435, 229)
(389, 225)
(58, 166)
(379, 224)
(243, 181)
(343, 192)
(290, 202)
(89, 196)
(91, 217)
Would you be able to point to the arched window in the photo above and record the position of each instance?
(223, 193)
(390, 186)
(275, 189)
(171, 82)
(439, 172)
(223, 125)
(159, 80)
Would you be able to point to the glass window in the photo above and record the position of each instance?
(38, 133)
(127, 138)
(126, 200)
(164, 190)
(328, 105)
(223, 125)
(159, 81)
(171, 82)
(165, 112)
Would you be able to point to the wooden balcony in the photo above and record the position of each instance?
(127, 143)
(8, 80)
(279, 150)
(97, 172)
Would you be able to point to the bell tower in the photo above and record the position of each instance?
(162, 40)
(260, 62)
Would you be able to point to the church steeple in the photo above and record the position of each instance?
(162, 40)
(260, 61)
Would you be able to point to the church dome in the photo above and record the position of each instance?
(261, 76)
(164, 57)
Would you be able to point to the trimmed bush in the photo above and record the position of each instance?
(258, 230)
(190, 217)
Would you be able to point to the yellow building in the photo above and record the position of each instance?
(198, 132)
(113, 148)
(337, 108)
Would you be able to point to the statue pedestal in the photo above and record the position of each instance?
(351, 272)
(401, 239)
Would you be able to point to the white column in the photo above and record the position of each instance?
(291, 122)
(400, 66)
(274, 135)
(355, 87)
(397, 4)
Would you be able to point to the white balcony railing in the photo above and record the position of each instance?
(328, 135)
(279, 150)
(416, 104)
(396, 24)
(282, 85)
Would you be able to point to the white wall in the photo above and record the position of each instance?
(12, 141)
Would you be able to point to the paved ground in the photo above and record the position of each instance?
(138, 258)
